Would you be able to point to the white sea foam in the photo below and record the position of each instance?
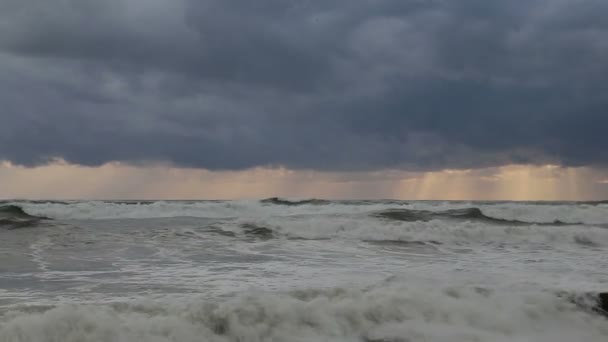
(381, 314)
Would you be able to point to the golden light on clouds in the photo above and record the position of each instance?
(119, 181)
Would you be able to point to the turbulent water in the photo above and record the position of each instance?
(310, 270)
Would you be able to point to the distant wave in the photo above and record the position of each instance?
(595, 202)
(471, 214)
(6, 202)
(13, 217)
(317, 201)
(280, 201)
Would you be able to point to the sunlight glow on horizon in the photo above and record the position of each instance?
(61, 180)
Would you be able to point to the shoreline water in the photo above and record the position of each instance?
(303, 271)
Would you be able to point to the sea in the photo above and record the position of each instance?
(302, 270)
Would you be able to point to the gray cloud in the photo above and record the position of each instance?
(335, 85)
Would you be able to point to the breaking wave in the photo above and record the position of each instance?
(13, 217)
(383, 313)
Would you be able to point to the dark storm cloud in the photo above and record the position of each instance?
(306, 84)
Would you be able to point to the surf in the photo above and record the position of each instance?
(381, 313)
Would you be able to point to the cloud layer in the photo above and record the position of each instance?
(332, 85)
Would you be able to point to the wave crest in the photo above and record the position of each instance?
(13, 217)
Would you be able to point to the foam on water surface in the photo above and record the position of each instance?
(383, 313)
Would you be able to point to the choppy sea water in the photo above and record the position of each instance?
(278, 270)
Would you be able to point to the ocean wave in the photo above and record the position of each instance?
(281, 201)
(93, 210)
(318, 201)
(473, 214)
(252, 221)
(257, 231)
(441, 231)
(501, 212)
(13, 217)
(383, 313)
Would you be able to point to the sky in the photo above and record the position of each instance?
(412, 99)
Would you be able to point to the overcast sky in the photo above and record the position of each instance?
(331, 86)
